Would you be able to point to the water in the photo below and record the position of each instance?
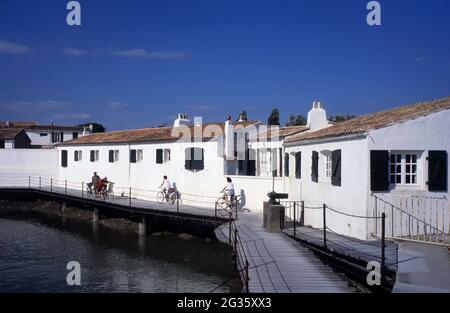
(35, 249)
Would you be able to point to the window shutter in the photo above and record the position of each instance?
(92, 155)
(286, 164)
(111, 156)
(62, 137)
(64, 158)
(315, 166)
(198, 160)
(133, 156)
(251, 164)
(75, 156)
(159, 156)
(188, 158)
(298, 165)
(379, 170)
(336, 168)
(437, 170)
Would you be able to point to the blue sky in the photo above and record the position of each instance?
(138, 63)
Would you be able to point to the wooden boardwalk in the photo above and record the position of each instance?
(279, 264)
(362, 250)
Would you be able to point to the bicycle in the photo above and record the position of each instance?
(107, 192)
(171, 198)
(224, 203)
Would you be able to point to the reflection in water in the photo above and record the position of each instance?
(35, 249)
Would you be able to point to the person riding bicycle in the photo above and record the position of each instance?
(229, 189)
(166, 187)
(101, 185)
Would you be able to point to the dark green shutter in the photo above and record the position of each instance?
(111, 156)
(336, 168)
(64, 158)
(75, 156)
(379, 170)
(159, 156)
(286, 164)
(298, 165)
(437, 170)
(188, 158)
(315, 166)
(133, 156)
(92, 155)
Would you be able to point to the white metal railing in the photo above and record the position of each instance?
(412, 217)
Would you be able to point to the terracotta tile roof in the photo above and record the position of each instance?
(9, 133)
(365, 123)
(19, 123)
(274, 132)
(157, 134)
(54, 128)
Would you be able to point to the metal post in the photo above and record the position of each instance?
(302, 213)
(82, 190)
(376, 214)
(178, 205)
(51, 184)
(65, 187)
(229, 230)
(130, 197)
(215, 209)
(383, 244)
(29, 182)
(235, 247)
(39, 182)
(295, 217)
(246, 276)
(324, 225)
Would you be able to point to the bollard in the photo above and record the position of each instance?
(324, 225)
(383, 244)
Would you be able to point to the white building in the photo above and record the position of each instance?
(396, 155)
(14, 138)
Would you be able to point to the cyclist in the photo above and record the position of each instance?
(93, 184)
(101, 185)
(229, 190)
(166, 187)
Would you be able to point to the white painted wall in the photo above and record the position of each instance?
(27, 162)
(350, 197)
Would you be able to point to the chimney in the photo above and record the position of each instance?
(229, 139)
(182, 119)
(317, 117)
(7, 123)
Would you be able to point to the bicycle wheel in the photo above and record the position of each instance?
(222, 204)
(160, 197)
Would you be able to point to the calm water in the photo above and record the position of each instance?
(34, 252)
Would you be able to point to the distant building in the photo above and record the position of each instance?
(14, 138)
(47, 135)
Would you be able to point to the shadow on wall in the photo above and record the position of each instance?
(243, 199)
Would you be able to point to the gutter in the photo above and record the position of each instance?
(327, 139)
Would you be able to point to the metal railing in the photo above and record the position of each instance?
(415, 218)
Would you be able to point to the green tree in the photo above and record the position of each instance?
(296, 120)
(341, 117)
(274, 117)
(96, 127)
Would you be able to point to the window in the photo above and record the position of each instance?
(159, 156)
(2, 144)
(265, 162)
(63, 158)
(194, 159)
(57, 137)
(75, 135)
(140, 155)
(403, 168)
(113, 156)
(43, 135)
(166, 155)
(315, 166)
(298, 165)
(136, 155)
(95, 155)
(77, 155)
(328, 165)
(286, 164)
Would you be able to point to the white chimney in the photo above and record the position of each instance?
(317, 117)
(229, 139)
(182, 119)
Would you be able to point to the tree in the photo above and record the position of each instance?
(274, 117)
(296, 120)
(96, 127)
(341, 117)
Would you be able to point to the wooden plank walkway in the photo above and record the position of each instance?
(279, 263)
(362, 250)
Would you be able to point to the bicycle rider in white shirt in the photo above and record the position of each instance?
(229, 189)
(166, 186)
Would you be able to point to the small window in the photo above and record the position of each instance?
(403, 168)
(57, 137)
(328, 165)
(77, 155)
(140, 155)
(194, 159)
(166, 155)
(113, 156)
(136, 155)
(63, 158)
(43, 135)
(2, 144)
(95, 155)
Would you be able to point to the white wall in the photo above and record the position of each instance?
(350, 197)
(36, 138)
(27, 162)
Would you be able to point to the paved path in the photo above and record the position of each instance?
(422, 268)
(362, 250)
(279, 263)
